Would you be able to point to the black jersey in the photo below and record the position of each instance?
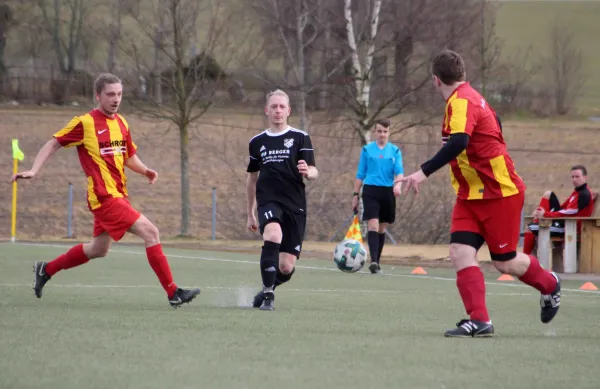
(276, 157)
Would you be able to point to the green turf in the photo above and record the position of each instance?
(108, 325)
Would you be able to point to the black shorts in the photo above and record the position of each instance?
(292, 226)
(379, 203)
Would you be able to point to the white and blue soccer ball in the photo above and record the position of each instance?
(350, 255)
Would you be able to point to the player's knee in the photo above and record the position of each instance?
(97, 251)
(150, 234)
(502, 261)
(273, 232)
(463, 256)
(286, 267)
(373, 225)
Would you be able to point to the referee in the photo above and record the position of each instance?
(380, 163)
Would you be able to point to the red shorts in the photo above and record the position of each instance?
(115, 216)
(498, 221)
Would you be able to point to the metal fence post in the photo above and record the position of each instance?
(214, 213)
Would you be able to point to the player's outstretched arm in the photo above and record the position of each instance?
(251, 197)
(135, 164)
(45, 152)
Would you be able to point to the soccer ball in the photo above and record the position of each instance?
(350, 255)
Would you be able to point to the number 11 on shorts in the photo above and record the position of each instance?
(268, 215)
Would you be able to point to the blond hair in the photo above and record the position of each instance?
(277, 92)
(105, 79)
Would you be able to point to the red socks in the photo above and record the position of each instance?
(160, 265)
(539, 278)
(528, 242)
(72, 258)
(471, 286)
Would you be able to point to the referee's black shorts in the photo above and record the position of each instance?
(379, 203)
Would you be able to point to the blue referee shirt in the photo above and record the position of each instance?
(379, 166)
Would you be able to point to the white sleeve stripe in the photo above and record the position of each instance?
(568, 211)
(304, 149)
(256, 159)
(300, 131)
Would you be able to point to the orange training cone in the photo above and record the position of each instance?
(588, 286)
(506, 277)
(418, 270)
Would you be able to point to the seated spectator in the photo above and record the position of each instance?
(580, 203)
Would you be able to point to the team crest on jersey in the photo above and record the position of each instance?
(288, 142)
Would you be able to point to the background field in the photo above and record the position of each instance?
(108, 325)
(523, 24)
(543, 152)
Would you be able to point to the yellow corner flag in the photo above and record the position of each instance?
(17, 153)
(17, 156)
(354, 230)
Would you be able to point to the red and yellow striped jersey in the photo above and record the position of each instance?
(103, 144)
(484, 170)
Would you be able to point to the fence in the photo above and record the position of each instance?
(218, 146)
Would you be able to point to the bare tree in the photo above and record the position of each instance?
(114, 33)
(5, 20)
(368, 92)
(565, 66)
(487, 45)
(64, 21)
(362, 64)
(296, 27)
(515, 88)
(187, 85)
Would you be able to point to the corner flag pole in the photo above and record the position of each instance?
(17, 156)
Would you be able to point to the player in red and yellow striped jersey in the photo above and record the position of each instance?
(490, 197)
(105, 148)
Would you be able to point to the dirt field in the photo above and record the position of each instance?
(219, 149)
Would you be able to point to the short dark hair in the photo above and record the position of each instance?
(580, 167)
(384, 122)
(105, 79)
(449, 67)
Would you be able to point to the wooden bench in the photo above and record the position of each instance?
(565, 260)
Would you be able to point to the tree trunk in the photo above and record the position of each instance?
(115, 34)
(322, 101)
(181, 94)
(300, 25)
(158, 45)
(185, 180)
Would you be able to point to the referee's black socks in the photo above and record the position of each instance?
(269, 263)
(373, 239)
(381, 243)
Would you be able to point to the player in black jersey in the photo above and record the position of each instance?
(284, 157)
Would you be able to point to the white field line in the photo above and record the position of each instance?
(427, 277)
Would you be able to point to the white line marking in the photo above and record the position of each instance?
(427, 277)
(300, 290)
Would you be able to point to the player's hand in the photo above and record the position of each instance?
(252, 225)
(413, 181)
(538, 213)
(397, 188)
(303, 168)
(24, 175)
(354, 203)
(152, 176)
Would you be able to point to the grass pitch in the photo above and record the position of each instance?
(107, 324)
